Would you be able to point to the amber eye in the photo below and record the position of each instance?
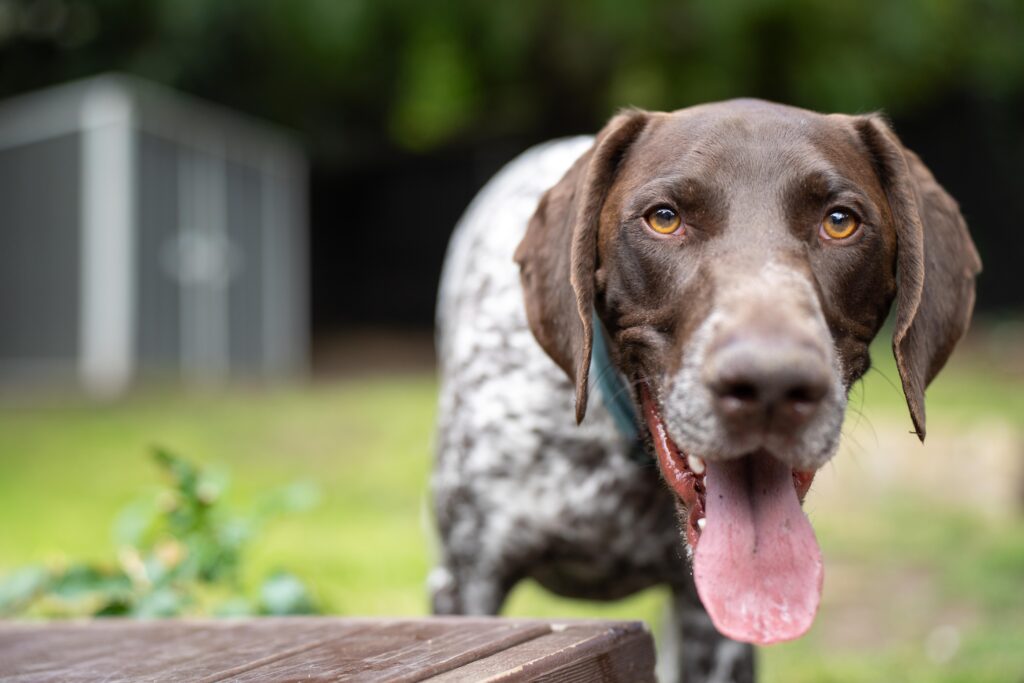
(664, 220)
(839, 224)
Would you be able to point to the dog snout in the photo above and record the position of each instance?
(765, 384)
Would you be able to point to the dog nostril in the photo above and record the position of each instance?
(805, 394)
(740, 391)
(799, 403)
(737, 398)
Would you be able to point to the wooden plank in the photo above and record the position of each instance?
(402, 652)
(116, 650)
(321, 648)
(621, 653)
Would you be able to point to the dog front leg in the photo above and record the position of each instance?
(692, 651)
(467, 592)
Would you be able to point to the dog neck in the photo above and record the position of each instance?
(615, 394)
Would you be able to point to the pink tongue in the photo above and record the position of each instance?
(757, 565)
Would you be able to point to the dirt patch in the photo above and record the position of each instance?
(360, 353)
(978, 466)
(870, 606)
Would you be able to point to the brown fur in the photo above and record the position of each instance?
(582, 249)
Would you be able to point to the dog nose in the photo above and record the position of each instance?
(767, 384)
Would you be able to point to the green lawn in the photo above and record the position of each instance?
(924, 571)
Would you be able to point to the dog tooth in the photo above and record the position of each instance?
(701, 523)
(696, 464)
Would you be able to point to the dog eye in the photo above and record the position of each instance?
(839, 224)
(663, 220)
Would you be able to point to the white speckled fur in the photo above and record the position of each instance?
(505, 407)
(519, 489)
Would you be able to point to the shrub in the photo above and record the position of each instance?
(181, 553)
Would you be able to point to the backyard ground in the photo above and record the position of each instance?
(924, 545)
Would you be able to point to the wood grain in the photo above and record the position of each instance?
(598, 653)
(322, 648)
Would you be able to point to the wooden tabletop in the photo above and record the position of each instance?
(325, 648)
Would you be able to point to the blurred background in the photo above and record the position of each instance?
(221, 231)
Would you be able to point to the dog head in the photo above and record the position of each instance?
(741, 256)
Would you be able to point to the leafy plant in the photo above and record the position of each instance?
(180, 553)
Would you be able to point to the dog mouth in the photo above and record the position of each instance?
(756, 561)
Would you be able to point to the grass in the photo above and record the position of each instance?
(924, 574)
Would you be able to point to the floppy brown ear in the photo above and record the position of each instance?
(558, 255)
(936, 263)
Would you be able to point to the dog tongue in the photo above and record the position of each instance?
(757, 566)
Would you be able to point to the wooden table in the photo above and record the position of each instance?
(325, 648)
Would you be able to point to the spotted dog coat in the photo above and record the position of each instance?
(739, 339)
(519, 489)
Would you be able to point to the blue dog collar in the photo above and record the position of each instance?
(615, 393)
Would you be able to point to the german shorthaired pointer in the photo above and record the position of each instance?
(703, 285)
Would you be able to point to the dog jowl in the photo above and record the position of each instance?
(738, 259)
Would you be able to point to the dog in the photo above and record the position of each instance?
(702, 286)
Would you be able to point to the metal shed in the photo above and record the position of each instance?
(145, 233)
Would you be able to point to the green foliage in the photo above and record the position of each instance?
(180, 553)
(358, 74)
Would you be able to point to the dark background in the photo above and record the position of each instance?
(406, 107)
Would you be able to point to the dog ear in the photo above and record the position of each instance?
(936, 264)
(558, 255)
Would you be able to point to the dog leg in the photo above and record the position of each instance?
(699, 653)
(469, 593)
(445, 598)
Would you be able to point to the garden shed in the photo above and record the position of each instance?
(144, 233)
